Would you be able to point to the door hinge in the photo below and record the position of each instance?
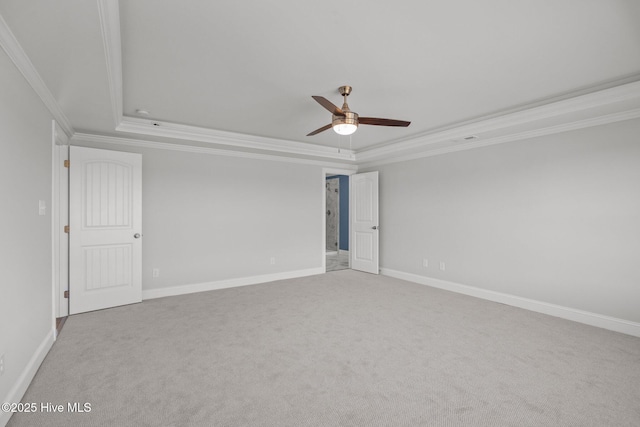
(66, 294)
(66, 163)
(66, 228)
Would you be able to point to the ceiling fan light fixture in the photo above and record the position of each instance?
(346, 124)
(345, 128)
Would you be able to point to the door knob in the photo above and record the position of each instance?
(375, 227)
(136, 236)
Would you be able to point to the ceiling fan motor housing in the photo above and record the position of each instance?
(349, 118)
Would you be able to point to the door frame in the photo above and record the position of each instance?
(329, 172)
(59, 218)
(337, 178)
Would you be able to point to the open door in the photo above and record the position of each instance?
(364, 222)
(105, 238)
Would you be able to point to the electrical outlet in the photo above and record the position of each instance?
(42, 207)
(273, 260)
(1, 364)
(425, 263)
(442, 266)
(156, 272)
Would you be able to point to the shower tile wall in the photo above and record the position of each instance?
(333, 213)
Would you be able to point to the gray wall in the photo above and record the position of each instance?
(554, 219)
(209, 218)
(26, 310)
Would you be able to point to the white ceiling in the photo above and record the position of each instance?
(234, 75)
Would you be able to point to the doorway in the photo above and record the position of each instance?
(360, 215)
(337, 222)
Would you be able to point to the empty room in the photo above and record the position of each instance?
(337, 213)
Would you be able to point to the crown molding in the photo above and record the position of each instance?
(421, 145)
(130, 142)
(602, 98)
(13, 49)
(212, 136)
(565, 127)
(59, 136)
(109, 12)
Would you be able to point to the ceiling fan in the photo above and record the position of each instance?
(344, 121)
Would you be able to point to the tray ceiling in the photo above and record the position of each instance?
(236, 77)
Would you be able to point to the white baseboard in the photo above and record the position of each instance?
(586, 317)
(228, 283)
(20, 387)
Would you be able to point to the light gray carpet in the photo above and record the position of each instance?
(340, 349)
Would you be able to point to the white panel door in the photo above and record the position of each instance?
(364, 222)
(105, 238)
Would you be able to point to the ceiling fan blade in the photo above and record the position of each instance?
(382, 122)
(328, 105)
(322, 129)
